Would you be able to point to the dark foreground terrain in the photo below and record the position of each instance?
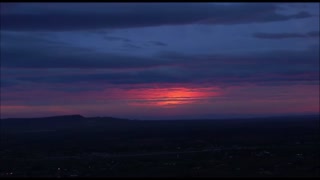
(74, 146)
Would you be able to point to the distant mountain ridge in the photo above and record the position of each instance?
(110, 127)
(78, 116)
(73, 116)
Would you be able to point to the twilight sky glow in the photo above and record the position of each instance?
(159, 60)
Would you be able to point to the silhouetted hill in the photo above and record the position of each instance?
(77, 116)
(57, 123)
(79, 142)
(64, 117)
(111, 124)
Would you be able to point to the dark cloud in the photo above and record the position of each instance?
(269, 67)
(113, 38)
(4, 83)
(4, 7)
(133, 15)
(75, 59)
(131, 46)
(19, 51)
(29, 52)
(285, 35)
(158, 43)
(314, 34)
(193, 76)
(27, 40)
(276, 59)
(111, 78)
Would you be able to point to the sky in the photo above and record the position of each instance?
(159, 60)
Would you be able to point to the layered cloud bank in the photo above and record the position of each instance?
(154, 60)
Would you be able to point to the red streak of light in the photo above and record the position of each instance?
(171, 96)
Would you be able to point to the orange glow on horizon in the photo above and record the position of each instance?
(172, 96)
(178, 96)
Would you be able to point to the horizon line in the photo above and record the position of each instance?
(192, 118)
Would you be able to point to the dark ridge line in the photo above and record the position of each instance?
(77, 116)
